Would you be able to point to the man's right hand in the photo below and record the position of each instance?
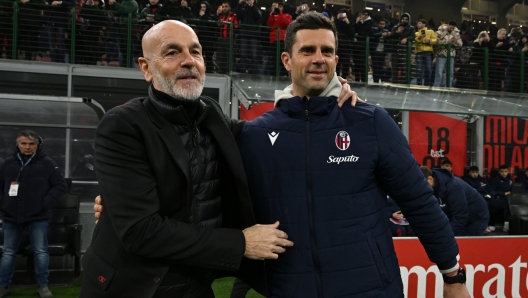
(265, 242)
(98, 207)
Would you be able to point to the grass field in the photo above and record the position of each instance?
(221, 288)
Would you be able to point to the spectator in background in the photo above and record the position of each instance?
(513, 83)
(206, 31)
(30, 184)
(381, 46)
(446, 164)
(425, 40)
(448, 37)
(480, 184)
(498, 60)
(30, 21)
(502, 185)
(56, 29)
(398, 224)
(480, 45)
(150, 16)
(301, 9)
(466, 209)
(265, 38)
(363, 28)
(278, 21)
(93, 13)
(346, 32)
(222, 52)
(248, 36)
(402, 34)
(178, 9)
(122, 10)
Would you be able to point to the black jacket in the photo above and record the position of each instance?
(146, 183)
(481, 185)
(408, 32)
(41, 185)
(250, 18)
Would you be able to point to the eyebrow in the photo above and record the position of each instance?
(312, 48)
(177, 46)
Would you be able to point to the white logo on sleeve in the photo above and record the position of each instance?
(273, 137)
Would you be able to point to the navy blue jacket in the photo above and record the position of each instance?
(501, 185)
(41, 185)
(324, 173)
(462, 204)
(481, 185)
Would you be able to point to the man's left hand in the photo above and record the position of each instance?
(456, 291)
(346, 94)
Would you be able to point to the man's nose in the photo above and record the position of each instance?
(318, 58)
(188, 59)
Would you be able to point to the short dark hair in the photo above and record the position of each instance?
(426, 172)
(452, 23)
(473, 169)
(446, 162)
(503, 167)
(365, 11)
(421, 21)
(382, 20)
(227, 2)
(311, 21)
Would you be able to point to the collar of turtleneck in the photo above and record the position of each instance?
(178, 112)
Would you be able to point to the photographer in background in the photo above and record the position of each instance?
(346, 32)
(363, 27)
(303, 8)
(278, 20)
(448, 34)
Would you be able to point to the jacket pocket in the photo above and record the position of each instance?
(378, 259)
(97, 269)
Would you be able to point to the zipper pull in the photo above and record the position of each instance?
(307, 115)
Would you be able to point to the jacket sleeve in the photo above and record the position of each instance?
(129, 189)
(455, 200)
(58, 187)
(400, 175)
(432, 37)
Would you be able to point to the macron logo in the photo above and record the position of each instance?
(273, 137)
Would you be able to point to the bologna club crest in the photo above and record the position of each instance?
(342, 140)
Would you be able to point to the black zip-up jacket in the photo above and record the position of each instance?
(41, 185)
(248, 15)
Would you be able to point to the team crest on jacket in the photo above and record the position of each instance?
(342, 140)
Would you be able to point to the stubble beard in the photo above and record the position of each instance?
(190, 92)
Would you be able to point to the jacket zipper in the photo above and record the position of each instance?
(311, 204)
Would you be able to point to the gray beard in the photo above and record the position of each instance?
(189, 93)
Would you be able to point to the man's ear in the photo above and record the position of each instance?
(145, 69)
(286, 60)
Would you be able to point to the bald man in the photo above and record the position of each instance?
(177, 206)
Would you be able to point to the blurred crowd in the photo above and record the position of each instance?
(372, 47)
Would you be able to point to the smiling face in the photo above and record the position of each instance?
(312, 62)
(173, 60)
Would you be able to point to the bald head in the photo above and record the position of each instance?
(172, 60)
(154, 37)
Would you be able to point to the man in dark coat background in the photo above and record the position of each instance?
(30, 184)
(466, 209)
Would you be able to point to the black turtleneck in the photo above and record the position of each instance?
(166, 105)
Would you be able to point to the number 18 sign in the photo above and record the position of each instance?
(434, 138)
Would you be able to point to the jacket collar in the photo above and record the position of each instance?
(333, 89)
(297, 107)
